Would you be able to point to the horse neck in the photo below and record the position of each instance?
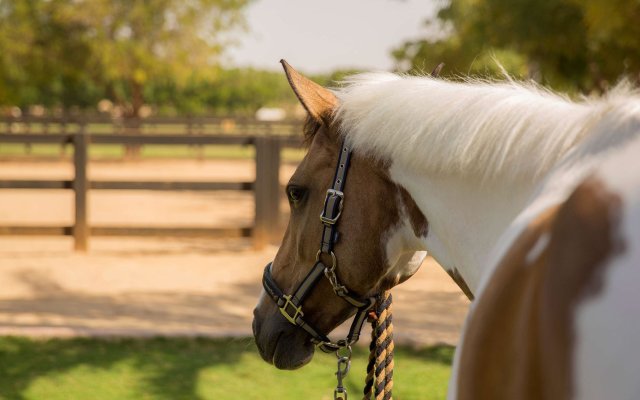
(494, 140)
(466, 216)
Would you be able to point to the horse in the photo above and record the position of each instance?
(528, 199)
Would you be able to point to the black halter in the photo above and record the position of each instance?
(290, 305)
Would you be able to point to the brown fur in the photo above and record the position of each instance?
(418, 221)
(519, 338)
(371, 209)
(309, 130)
(318, 101)
(360, 264)
(459, 280)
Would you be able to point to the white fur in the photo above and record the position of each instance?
(618, 129)
(482, 160)
(465, 217)
(478, 128)
(477, 155)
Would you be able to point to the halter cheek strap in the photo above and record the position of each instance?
(333, 202)
(290, 305)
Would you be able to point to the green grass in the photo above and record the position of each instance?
(173, 369)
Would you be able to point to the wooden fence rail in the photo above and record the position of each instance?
(182, 125)
(265, 187)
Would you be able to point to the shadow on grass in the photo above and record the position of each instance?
(170, 366)
(174, 368)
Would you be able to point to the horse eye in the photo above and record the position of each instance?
(295, 193)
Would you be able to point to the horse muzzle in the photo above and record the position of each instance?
(280, 343)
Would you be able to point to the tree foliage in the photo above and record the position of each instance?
(68, 52)
(224, 91)
(231, 91)
(570, 44)
(41, 57)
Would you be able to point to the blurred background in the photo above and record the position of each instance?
(144, 146)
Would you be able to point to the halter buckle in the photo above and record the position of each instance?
(284, 310)
(332, 220)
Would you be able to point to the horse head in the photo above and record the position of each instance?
(367, 237)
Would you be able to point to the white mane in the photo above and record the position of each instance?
(488, 129)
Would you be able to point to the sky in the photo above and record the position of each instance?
(318, 36)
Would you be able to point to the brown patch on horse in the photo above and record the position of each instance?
(459, 280)
(518, 342)
(577, 265)
(418, 221)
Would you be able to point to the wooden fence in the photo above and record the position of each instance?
(265, 187)
(152, 125)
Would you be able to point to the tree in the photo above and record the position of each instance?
(570, 44)
(613, 32)
(116, 45)
(41, 58)
(239, 91)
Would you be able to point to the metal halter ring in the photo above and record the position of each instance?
(339, 289)
(334, 262)
(348, 349)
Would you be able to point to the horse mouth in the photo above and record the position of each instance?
(284, 358)
(288, 349)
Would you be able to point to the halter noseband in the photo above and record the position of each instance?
(290, 305)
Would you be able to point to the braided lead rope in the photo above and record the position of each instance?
(380, 367)
(368, 383)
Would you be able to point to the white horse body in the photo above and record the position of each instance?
(482, 162)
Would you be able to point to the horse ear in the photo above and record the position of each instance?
(436, 71)
(318, 101)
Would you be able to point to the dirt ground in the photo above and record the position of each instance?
(163, 286)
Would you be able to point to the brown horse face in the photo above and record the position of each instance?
(372, 213)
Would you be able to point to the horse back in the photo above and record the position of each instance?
(559, 318)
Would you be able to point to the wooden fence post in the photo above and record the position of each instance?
(80, 187)
(267, 187)
(63, 130)
(132, 126)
